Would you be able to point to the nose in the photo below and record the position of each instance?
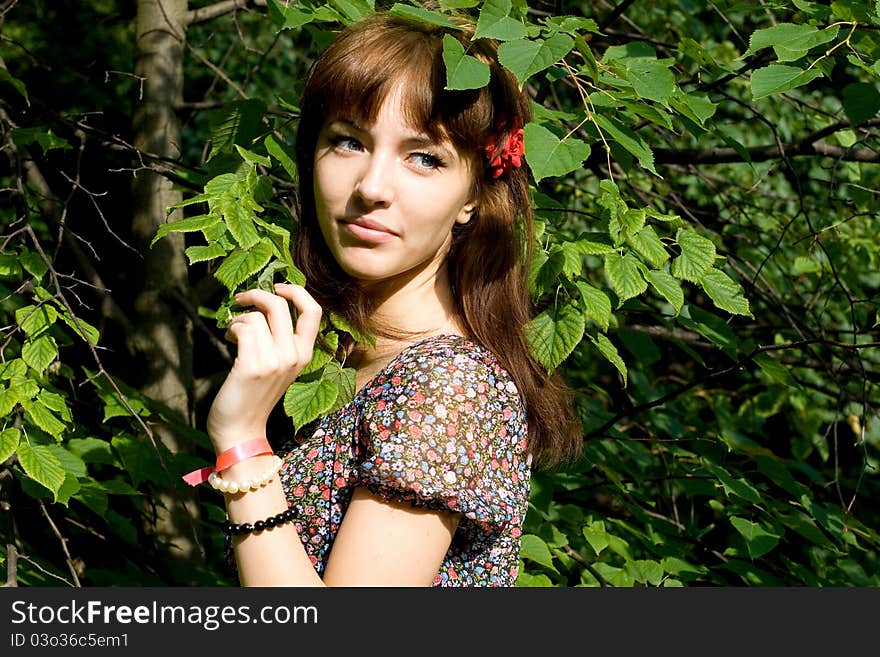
(375, 186)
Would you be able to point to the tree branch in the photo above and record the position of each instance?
(203, 14)
(615, 13)
(764, 153)
(70, 565)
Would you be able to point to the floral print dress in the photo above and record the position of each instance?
(443, 427)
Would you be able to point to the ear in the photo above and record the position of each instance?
(466, 212)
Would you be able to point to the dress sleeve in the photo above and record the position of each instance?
(447, 431)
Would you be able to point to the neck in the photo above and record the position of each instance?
(419, 301)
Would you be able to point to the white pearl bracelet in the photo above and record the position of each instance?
(218, 483)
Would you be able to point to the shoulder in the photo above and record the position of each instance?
(443, 426)
(450, 365)
(452, 387)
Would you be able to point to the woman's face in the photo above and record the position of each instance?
(387, 196)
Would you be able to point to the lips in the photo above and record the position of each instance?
(368, 230)
(371, 224)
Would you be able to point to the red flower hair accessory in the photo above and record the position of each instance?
(510, 154)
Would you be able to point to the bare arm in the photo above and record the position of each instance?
(379, 543)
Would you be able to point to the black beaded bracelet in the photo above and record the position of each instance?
(232, 529)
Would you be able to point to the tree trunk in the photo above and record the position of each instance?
(162, 339)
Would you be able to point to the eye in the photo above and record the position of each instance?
(427, 161)
(345, 142)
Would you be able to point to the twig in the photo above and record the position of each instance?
(203, 14)
(63, 541)
(11, 565)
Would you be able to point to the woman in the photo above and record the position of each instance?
(412, 230)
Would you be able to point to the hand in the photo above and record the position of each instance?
(271, 354)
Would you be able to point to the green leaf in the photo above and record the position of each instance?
(43, 418)
(777, 78)
(625, 276)
(39, 352)
(733, 486)
(55, 402)
(861, 101)
(340, 322)
(34, 263)
(6, 76)
(554, 334)
(525, 58)
(9, 439)
(446, 5)
(140, 460)
(572, 24)
(549, 156)
(630, 141)
(225, 183)
(697, 107)
(239, 122)
(595, 303)
(239, 218)
(41, 465)
(648, 245)
(201, 253)
(239, 265)
(528, 580)
(651, 78)
(113, 403)
(725, 293)
(190, 224)
(535, 549)
(775, 370)
(711, 327)
(33, 320)
(345, 379)
(609, 351)
(10, 267)
(495, 22)
(806, 527)
(632, 221)
(592, 247)
(252, 158)
(279, 152)
(668, 287)
(758, 540)
(43, 136)
(91, 494)
(11, 368)
(596, 536)
(288, 17)
(303, 402)
(645, 571)
(81, 327)
(353, 9)
(320, 357)
(69, 488)
(697, 255)
(93, 450)
(418, 13)
(71, 463)
(21, 389)
(462, 71)
(790, 41)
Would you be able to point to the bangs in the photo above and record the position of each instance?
(362, 72)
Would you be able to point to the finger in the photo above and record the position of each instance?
(256, 353)
(274, 308)
(309, 321)
(253, 323)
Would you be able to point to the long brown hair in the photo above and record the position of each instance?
(489, 254)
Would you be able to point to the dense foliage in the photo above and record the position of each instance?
(706, 178)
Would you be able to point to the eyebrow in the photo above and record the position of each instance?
(416, 139)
